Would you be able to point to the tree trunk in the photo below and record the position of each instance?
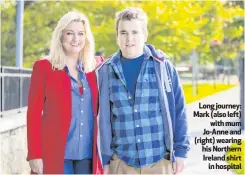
(214, 74)
(241, 79)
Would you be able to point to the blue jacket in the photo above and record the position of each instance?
(172, 104)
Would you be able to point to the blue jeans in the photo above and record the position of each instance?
(78, 166)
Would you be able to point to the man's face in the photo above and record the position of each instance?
(131, 38)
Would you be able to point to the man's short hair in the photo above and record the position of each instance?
(132, 13)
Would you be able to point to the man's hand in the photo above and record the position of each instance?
(106, 169)
(36, 165)
(179, 165)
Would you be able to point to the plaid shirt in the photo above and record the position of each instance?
(137, 125)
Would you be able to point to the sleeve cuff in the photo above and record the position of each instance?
(181, 153)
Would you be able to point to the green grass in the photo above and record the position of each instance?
(238, 161)
(204, 90)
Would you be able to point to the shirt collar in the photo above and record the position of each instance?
(80, 67)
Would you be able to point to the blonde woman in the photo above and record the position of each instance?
(62, 102)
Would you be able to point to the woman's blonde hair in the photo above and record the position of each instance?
(57, 56)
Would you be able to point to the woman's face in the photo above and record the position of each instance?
(73, 39)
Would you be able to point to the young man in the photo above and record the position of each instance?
(142, 115)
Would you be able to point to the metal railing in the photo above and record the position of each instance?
(14, 86)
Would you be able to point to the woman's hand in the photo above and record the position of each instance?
(36, 165)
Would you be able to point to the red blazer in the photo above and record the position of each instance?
(49, 115)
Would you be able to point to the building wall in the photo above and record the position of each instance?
(13, 145)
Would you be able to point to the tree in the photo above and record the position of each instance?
(176, 27)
